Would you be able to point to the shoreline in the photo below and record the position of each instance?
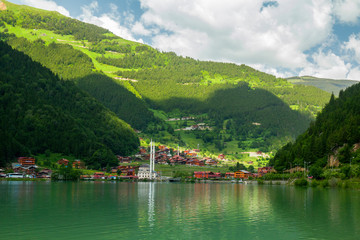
(325, 183)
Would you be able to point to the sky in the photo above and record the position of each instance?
(285, 38)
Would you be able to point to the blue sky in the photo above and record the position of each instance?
(284, 37)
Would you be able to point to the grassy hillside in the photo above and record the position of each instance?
(328, 85)
(244, 108)
(39, 112)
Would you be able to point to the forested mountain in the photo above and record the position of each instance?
(329, 85)
(242, 104)
(40, 112)
(335, 133)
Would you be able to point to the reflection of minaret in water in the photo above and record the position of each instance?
(151, 213)
(152, 160)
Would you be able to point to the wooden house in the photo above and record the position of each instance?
(63, 161)
(242, 174)
(26, 161)
(229, 175)
(99, 175)
(78, 164)
(264, 170)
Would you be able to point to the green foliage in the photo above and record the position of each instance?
(335, 128)
(71, 64)
(113, 46)
(102, 158)
(277, 176)
(37, 19)
(260, 181)
(302, 182)
(62, 59)
(227, 93)
(146, 59)
(237, 167)
(40, 112)
(314, 183)
(330, 173)
(182, 174)
(118, 99)
(316, 172)
(66, 173)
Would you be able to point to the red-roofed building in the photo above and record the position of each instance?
(63, 161)
(242, 174)
(264, 170)
(26, 161)
(78, 164)
(207, 175)
(229, 175)
(99, 175)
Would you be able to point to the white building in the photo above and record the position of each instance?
(145, 173)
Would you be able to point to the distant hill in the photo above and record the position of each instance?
(328, 85)
(245, 108)
(40, 112)
(335, 132)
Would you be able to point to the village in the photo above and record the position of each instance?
(140, 166)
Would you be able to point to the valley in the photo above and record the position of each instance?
(235, 108)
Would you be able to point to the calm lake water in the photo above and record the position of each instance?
(105, 210)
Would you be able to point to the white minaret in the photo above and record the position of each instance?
(151, 156)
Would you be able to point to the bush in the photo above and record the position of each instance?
(314, 183)
(260, 181)
(329, 174)
(345, 184)
(302, 182)
(324, 184)
(316, 172)
(333, 182)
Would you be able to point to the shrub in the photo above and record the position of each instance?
(333, 182)
(316, 172)
(345, 184)
(260, 181)
(314, 183)
(302, 182)
(324, 184)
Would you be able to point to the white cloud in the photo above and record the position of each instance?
(110, 21)
(347, 11)
(353, 47)
(238, 31)
(139, 29)
(354, 74)
(46, 5)
(327, 65)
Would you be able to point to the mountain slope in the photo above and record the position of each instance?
(40, 112)
(334, 132)
(129, 77)
(329, 85)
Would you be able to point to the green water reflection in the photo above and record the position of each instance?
(104, 210)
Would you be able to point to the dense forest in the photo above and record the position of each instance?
(40, 112)
(334, 133)
(33, 18)
(71, 64)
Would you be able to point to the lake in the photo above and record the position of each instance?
(106, 210)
